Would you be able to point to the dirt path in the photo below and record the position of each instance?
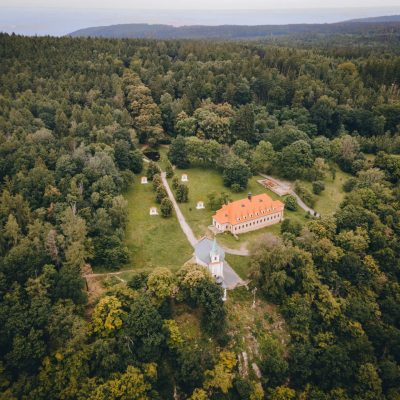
(288, 185)
(95, 275)
(237, 252)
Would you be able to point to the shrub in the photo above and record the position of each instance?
(169, 170)
(175, 182)
(156, 181)
(291, 226)
(166, 207)
(160, 194)
(318, 187)
(290, 203)
(138, 281)
(182, 193)
(236, 188)
(152, 170)
(349, 185)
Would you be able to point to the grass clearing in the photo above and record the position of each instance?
(153, 241)
(329, 200)
(203, 181)
(239, 263)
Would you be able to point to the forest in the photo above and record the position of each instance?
(388, 27)
(75, 116)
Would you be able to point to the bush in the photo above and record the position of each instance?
(160, 194)
(175, 182)
(169, 170)
(236, 188)
(349, 185)
(138, 281)
(152, 170)
(156, 181)
(304, 194)
(290, 203)
(318, 187)
(166, 207)
(290, 226)
(182, 193)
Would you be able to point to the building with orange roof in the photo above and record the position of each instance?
(249, 214)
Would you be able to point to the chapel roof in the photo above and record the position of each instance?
(204, 247)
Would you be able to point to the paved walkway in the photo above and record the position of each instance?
(288, 185)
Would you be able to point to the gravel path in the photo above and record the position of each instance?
(182, 221)
(288, 185)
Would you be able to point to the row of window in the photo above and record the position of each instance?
(256, 222)
(257, 213)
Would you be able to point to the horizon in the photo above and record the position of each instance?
(59, 21)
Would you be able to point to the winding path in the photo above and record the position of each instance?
(288, 185)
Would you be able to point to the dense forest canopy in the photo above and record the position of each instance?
(74, 115)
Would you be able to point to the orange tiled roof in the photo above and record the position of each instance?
(244, 210)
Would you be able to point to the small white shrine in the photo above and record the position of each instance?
(153, 211)
(143, 180)
(200, 205)
(184, 178)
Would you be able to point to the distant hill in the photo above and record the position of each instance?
(238, 31)
(385, 18)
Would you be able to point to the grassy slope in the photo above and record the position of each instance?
(153, 241)
(240, 264)
(329, 200)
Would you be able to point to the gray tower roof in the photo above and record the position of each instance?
(205, 246)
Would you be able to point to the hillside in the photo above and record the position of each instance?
(384, 18)
(235, 31)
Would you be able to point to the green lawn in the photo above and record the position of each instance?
(329, 200)
(163, 150)
(153, 241)
(239, 263)
(202, 181)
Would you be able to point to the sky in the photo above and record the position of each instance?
(196, 4)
